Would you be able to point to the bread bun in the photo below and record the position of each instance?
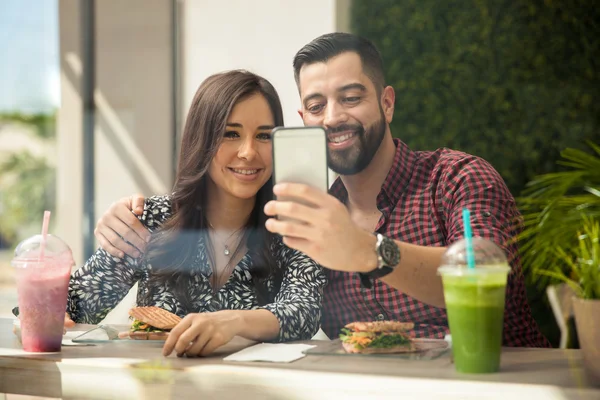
(142, 335)
(155, 316)
(350, 348)
(380, 326)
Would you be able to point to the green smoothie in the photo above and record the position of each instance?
(475, 308)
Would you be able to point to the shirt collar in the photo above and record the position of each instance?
(396, 180)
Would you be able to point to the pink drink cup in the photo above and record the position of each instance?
(42, 295)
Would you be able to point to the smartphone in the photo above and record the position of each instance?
(300, 156)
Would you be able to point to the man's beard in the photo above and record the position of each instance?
(355, 159)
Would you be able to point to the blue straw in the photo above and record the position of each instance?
(468, 238)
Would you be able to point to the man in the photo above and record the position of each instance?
(412, 200)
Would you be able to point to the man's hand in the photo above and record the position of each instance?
(69, 323)
(201, 334)
(119, 225)
(323, 231)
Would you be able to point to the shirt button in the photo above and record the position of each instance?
(381, 317)
(487, 214)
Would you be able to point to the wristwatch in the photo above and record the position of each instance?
(388, 257)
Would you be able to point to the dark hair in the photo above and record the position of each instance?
(171, 251)
(327, 46)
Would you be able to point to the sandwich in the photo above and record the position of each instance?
(379, 337)
(150, 323)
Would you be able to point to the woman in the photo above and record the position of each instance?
(210, 259)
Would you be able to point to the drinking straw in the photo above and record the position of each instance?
(468, 238)
(45, 224)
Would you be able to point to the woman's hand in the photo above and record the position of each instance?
(201, 334)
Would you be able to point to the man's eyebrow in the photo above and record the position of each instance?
(311, 97)
(261, 128)
(351, 86)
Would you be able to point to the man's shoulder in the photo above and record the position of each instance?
(444, 157)
(448, 163)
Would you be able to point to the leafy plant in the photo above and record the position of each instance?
(26, 189)
(555, 207)
(27, 181)
(583, 273)
(44, 124)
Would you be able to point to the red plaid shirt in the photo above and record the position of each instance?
(421, 202)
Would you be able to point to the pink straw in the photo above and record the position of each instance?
(44, 233)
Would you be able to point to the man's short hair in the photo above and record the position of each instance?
(327, 46)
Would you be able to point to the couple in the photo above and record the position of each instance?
(262, 287)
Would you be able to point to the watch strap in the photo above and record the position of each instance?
(366, 280)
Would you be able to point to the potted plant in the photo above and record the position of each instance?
(584, 278)
(561, 240)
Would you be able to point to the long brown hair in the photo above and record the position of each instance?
(172, 249)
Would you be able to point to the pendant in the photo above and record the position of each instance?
(226, 251)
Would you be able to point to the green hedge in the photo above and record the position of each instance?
(514, 82)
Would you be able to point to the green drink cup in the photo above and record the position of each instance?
(475, 304)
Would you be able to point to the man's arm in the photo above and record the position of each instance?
(326, 233)
(416, 274)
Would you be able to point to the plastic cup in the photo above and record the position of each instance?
(475, 304)
(42, 272)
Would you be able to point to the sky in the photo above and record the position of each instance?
(29, 55)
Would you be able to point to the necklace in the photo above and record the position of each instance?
(226, 251)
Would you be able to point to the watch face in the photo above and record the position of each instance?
(389, 252)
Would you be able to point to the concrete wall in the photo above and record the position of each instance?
(69, 191)
(261, 36)
(133, 119)
(134, 115)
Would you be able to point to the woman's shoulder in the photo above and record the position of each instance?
(157, 209)
(158, 204)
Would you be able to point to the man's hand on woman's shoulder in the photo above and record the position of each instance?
(119, 231)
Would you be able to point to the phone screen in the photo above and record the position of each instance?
(300, 156)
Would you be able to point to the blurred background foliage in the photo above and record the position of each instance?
(513, 81)
(27, 178)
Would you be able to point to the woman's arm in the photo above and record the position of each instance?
(294, 315)
(297, 305)
(200, 334)
(97, 287)
(104, 280)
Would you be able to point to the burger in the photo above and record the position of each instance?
(150, 323)
(379, 337)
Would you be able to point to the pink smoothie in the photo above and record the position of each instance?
(42, 295)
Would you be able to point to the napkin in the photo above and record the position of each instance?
(273, 352)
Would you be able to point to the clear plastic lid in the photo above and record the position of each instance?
(54, 248)
(489, 257)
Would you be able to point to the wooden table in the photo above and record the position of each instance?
(106, 371)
